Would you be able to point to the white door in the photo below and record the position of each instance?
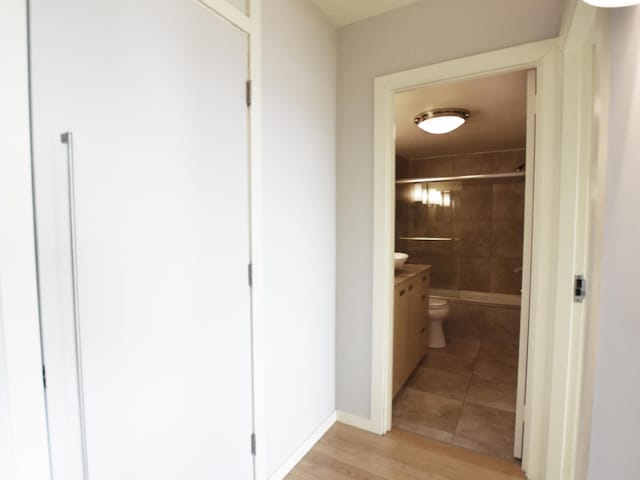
(153, 92)
(526, 265)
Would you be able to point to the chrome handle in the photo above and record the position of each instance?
(67, 139)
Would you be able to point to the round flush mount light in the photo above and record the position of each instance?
(443, 120)
(612, 3)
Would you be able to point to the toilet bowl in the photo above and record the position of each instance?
(438, 312)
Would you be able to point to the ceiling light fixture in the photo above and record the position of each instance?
(443, 120)
(612, 3)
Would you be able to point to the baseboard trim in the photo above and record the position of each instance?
(357, 422)
(286, 466)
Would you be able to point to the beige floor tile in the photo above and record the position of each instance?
(506, 353)
(439, 382)
(496, 369)
(495, 394)
(461, 347)
(449, 363)
(501, 325)
(486, 430)
(426, 414)
(464, 393)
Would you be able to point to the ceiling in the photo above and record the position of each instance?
(344, 12)
(498, 106)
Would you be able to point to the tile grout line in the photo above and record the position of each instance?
(466, 393)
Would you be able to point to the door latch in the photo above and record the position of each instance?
(579, 289)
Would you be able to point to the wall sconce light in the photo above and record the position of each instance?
(417, 193)
(430, 196)
(446, 199)
(612, 3)
(421, 194)
(435, 197)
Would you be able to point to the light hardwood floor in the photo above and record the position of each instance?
(346, 453)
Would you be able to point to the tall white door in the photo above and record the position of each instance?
(527, 255)
(153, 92)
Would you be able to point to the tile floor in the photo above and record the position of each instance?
(464, 394)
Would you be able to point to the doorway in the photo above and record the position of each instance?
(542, 57)
(462, 219)
(141, 180)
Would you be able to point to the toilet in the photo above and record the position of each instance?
(438, 312)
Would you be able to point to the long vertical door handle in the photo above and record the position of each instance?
(67, 139)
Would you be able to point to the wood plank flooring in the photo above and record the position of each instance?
(346, 453)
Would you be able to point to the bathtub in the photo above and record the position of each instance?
(482, 316)
(484, 298)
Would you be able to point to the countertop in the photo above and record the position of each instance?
(409, 270)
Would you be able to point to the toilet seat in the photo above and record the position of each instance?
(435, 302)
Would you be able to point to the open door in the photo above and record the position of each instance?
(141, 178)
(526, 265)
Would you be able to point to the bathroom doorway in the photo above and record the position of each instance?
(463, 219)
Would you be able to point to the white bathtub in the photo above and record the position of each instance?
(484, 298)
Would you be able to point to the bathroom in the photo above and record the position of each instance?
(462, 218)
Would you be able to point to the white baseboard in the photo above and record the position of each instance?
(357, 422)
(286, 466)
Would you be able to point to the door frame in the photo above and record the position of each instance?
(552, 390)
(544, 58)
(527, 257)
(585, 85)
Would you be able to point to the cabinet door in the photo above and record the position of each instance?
(425, 280)
(400, 331)
(154, 95)
(416, 310)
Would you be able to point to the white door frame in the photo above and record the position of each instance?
(547, 249)
(527, 251)
(585, 84)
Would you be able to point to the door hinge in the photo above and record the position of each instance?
(250, 274)
(248, 93)
(579, 289)
(44, 376)
(253, 444)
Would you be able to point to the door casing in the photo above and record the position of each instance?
(552, 383)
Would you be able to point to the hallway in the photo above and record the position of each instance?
(348, 453)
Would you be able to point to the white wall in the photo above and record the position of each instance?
(7, 467)
(417, 35)
(299, 91)
(616, 418)
(23, 437)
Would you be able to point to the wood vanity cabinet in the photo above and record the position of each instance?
(415, 351)
(400, 336)
(425, 280)
(411, 317)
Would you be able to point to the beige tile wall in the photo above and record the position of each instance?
(486, 219)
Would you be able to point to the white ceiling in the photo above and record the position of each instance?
(498, 106)
(344, 12)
